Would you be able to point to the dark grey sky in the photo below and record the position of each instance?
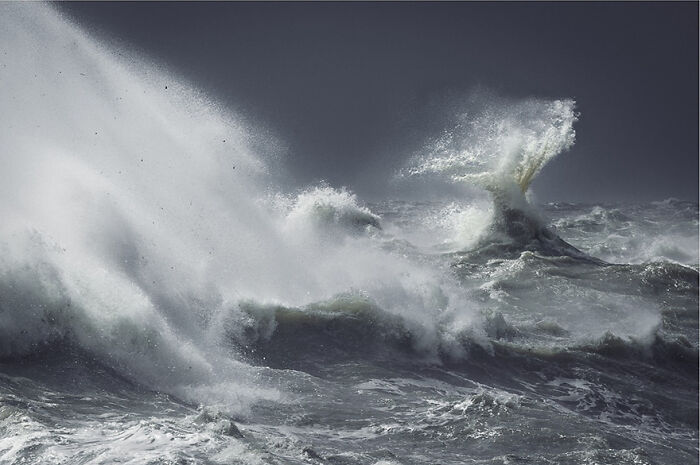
(351, 88)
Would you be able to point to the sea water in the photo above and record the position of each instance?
(164, 300)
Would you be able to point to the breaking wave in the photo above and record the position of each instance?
(138, 220)
(505, 145)
(502, 148)
(158, 287)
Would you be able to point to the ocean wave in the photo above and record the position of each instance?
(633, 234)
(514, 231)
(141, 213)
(660, 349)
(501, 145)
(47, 308)
(348, 326)
(327, 205)
(354, 327)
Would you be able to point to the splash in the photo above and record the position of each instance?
(137, 221)
(114, 195)
(501, 146)
(323, 208)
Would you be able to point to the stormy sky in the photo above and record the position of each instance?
(351, 89)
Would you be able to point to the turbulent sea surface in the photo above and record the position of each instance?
(164, 301)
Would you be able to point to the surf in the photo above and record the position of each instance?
(502, 146)
(139, 217)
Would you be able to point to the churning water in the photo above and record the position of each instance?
(163, 301)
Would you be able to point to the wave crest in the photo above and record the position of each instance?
(502, 145)
(329, 209)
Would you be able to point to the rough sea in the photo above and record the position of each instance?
(165, 300)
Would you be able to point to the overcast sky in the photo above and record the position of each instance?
(351, 88)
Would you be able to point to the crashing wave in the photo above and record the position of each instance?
(502, 149)
(504, 145)
(659, 349)
(349, 325)
(137, 213)
(329, 209)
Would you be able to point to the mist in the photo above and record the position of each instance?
(352, 90)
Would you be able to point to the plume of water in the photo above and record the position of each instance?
(505, 145)
(137, 216)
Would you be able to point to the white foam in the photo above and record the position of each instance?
(137, 215)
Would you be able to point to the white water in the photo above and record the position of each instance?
(140, 224)
(501, 145)
(136, 216)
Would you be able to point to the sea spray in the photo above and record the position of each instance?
(136, 220)
(155, 250)
(501, 145)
